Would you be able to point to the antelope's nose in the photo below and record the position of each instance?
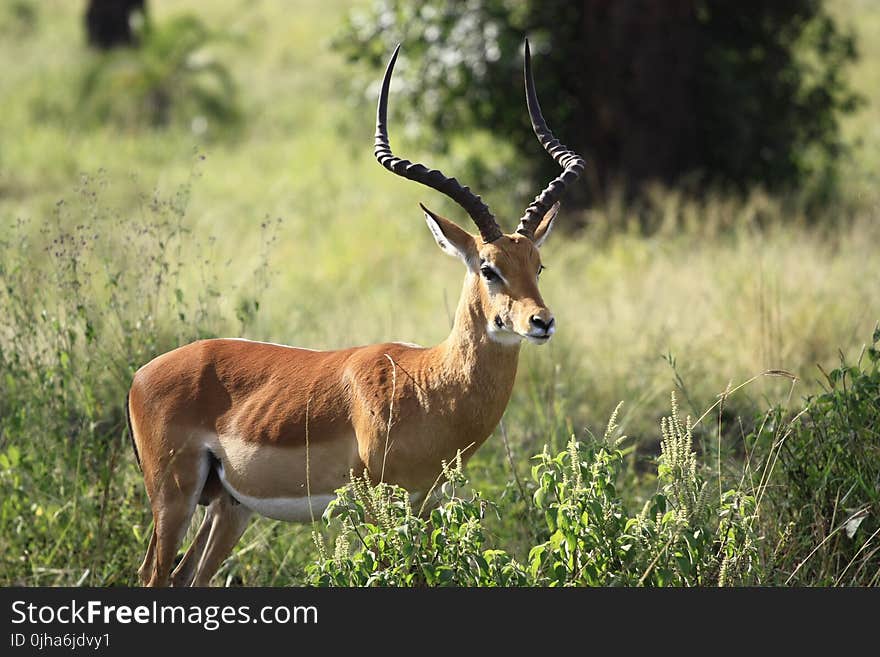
(546, 325)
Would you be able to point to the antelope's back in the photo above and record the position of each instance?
(261, 391)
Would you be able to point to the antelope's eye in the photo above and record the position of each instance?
(540, 269)
(489, 274)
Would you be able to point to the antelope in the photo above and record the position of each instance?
(247, 427)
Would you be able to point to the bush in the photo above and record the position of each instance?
(384, 542)
(171, 78)
(826, 487)
(680, 537)
(701, 87)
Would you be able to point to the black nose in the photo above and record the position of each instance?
(540, 324)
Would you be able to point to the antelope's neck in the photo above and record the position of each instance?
(485, 369)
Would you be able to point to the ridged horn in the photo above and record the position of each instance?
(433, 178)
(571, 163)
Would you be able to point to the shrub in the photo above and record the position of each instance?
(700, 88)
(171, 78)
(383, 542)
(680, 537)
(826, 488)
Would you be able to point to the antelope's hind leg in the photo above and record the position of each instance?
(211, 493)
(146, 569)
(186, 570)
(173, 499)
(229, 520)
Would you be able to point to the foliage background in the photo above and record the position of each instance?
(694, 92)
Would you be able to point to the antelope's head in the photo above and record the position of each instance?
(504, 267)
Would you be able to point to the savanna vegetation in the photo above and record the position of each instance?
(218, 180)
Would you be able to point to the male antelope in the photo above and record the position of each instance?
(248, 427)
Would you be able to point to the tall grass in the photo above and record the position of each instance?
(89, 294)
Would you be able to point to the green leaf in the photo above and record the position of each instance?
(684, 564)
(540, 497)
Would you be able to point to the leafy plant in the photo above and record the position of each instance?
(384, 542)
(826, 490)
(170, 78)
(680, 538)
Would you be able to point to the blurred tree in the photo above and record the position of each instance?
(108, 22)
(646, 90)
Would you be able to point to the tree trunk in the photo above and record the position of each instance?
(108, 22)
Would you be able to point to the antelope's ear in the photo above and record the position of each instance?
(546, 226)
(452, 239)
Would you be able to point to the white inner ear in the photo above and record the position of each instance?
(547, 224)
(442, 241)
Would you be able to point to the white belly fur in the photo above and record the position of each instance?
(291, 509)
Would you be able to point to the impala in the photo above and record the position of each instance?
(250, 427)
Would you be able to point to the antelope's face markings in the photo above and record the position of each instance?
(509, 269)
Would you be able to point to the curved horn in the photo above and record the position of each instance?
(462, 195)
(571, 162)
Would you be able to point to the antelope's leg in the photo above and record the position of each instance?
(186, 570)
(174, 501)
(146, 569)
(212, 492)
(230, 519)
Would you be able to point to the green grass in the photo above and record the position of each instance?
(724, 288)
